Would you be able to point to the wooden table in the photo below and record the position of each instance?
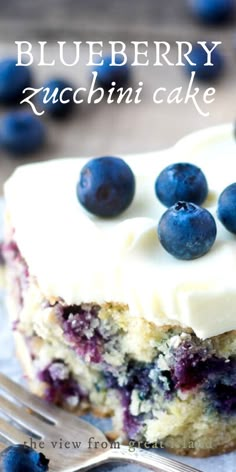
(116, 129)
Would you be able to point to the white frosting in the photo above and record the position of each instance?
(80, 257)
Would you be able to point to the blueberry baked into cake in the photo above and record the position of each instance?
(122, 288)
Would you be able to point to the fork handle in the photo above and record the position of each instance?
(147, 459)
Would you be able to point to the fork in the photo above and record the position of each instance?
(30, 420)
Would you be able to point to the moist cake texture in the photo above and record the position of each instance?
(105, 319)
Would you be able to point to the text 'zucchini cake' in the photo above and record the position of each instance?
(107, 313)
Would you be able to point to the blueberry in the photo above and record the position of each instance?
(205, 72)
(222, 397)
(212, 11)
(188, 373)
(227, 208)
(138, 377)
(82, 330)
(19, 458)
(181, 181)
(58, 109)
(21, 132)
(13, 80)
(59, 383)
(220, 385)
(107, 73)
(106, 186)
(187, 231)
(131, 424)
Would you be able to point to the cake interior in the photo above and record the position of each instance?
(161, 384)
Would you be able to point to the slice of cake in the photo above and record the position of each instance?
(104, 317)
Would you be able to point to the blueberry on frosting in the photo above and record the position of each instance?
(19, 458)
(106, 186)
(187, 231)
(227, 208)
(181, 181)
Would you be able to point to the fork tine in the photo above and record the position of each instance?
(23, 418)
(57, 416)
(49, 412)
(11, 433)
